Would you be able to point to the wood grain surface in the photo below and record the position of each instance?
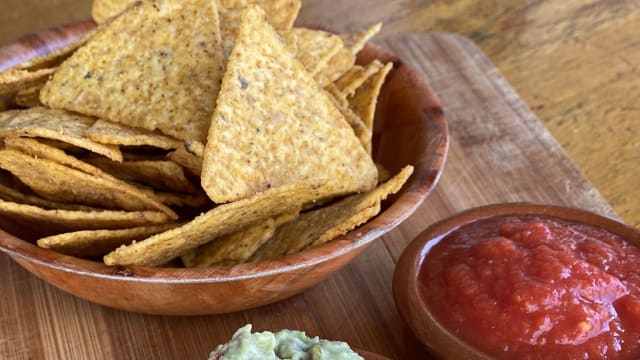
(499, 152)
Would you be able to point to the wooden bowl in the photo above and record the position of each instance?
(410, 129)
(412, 306)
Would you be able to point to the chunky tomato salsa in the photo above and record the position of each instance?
(531, 287)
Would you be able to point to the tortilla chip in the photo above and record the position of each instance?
(29, 97)
(42, 150)
(176, 199)
(159, 174)
(362, 132)
(229, 25)
(364, 101)
(280, 13)
(92, 243)
(14, 80)
(54, 124)
(60, 183)
(102, 219)
(339, 64)
(357, 40)
(273, 126)
(157, 66)
(314, 48)
(189, 156)
(383, 173)
(356, 76)
(12, 190)
(337, 96)
(107, 132)
(238, 247)
(319, 226)
(102, 10)
(221, 220)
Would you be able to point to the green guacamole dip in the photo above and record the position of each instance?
(285, 344)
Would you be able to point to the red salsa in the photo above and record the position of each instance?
(531, 287)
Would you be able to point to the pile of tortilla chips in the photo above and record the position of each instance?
(194, 131)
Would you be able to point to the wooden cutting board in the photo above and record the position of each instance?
(499, 152)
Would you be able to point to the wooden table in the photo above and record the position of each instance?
(573, 62)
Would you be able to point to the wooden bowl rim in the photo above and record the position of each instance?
(413, 307)
(409, 199)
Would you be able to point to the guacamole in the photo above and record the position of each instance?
(285, 344)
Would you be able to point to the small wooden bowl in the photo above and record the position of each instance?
(412, 306)
(410, 129)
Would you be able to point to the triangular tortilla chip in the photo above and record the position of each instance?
(222, 220)
(339, 64)
(14, 80)
(363, 102)
(92, 243)
(189, 156)
(29, 97)
(54, 124)
(160, 174)
(280, 13)
(319, 226)
(60, 183)
(102, 10)
(273, 126)
(238, 247)
(107, 132)
(360, 129)
(156, 66)
(12, 190)
(356, 76)
(357, 40)
(42, 150)
(314, 48)
(70, 219)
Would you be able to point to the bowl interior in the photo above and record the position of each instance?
(414, 308)
(409, 129)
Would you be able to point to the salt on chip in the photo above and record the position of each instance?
(54, 124)
(189, 156)
(61, 183)
(160, 174)
(339, 64)
(237, 247)
(73, 219)
(314, 48)
(14, 80)
(157, 66)
(93, 243)
(364, 101)
(221, 220)
(273, 126)
(107, 132)
(357, 40)
(356, 76)
(319, 226)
